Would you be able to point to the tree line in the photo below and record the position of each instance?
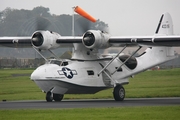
(14, 22)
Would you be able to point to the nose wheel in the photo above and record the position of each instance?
(119, 93)
(57, 97)
(52, 96)
(49, 97)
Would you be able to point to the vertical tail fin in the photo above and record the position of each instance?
(165, 26)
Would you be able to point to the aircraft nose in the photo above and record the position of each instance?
(44, 71)
(39, 73)
(36, 74)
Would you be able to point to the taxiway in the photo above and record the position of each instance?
(90, 103)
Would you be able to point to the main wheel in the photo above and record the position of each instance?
(119, 93)
(49, 97)
(57, 97)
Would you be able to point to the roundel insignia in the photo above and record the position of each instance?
(67, 72)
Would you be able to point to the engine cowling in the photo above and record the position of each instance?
(95, 39)
(45, 40)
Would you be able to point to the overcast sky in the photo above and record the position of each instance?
(124, 17)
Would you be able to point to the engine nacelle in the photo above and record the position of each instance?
(45, 40)
(95, 39)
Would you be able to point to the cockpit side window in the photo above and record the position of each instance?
(64, 64)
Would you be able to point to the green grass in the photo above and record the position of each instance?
(162, 83)
(123, 113)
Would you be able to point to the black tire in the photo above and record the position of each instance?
(119, 93)
(49, 97)
(57, 97)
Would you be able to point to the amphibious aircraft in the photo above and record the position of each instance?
(87, 72)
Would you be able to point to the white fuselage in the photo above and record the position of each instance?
(81, 76)
(76, 77)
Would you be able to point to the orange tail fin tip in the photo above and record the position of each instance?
(81, 12)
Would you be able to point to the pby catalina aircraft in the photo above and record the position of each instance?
(87, 72)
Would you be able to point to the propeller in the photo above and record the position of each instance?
(37, 39)
(85, 25)
(82, 25)
(42, 23)
(34, 24)
(88, 39)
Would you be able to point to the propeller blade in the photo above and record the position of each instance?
(42, 23)
(83, 25)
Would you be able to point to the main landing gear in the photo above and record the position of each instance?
(119, 93)
(52, 96)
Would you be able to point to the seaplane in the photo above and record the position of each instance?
(88, 72)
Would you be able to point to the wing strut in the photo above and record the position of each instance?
(127, 59)
(53, 54)
(114, 81)
(109, 76)
(112, 60)
(39, 53)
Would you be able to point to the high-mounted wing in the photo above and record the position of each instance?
(69, 40)
(168, 41)
(15, 41)
(41, 40)
(97, 39)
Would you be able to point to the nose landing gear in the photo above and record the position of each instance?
(52, 96)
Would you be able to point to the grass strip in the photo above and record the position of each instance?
(124, 113)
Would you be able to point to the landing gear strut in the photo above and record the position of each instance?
(119, 93)
(56, 97)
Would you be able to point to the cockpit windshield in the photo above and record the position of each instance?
(58, 62)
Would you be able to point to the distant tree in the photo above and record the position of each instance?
(41, 11)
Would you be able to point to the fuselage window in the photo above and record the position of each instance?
(131, 63)
(90, 72)
(119, 70)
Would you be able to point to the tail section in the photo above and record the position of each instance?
(165, 26)
(155, 55)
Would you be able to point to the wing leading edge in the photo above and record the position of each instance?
(15, 41)
(168, 41)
